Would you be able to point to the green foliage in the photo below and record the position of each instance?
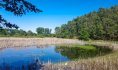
(30, 33)
(43, 31)
(46, 32)
(100, 25)
(17, 7)
(83, 34)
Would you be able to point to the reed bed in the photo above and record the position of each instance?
(39, 42)
(112, 44)
(108, 62)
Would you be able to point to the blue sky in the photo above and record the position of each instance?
(56, 12)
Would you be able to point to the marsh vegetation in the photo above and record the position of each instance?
(78, 45)
(42, 57)
(106, 59)
(83, 51)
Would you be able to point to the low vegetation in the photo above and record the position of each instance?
(106, 62)
(39, 42)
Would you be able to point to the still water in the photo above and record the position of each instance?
(23, 57)
(33, 58)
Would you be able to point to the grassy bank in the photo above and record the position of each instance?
(107, 62)
(104, 62)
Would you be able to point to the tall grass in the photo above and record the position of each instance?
(104, 62)
(39, 42)
(108, 62)
(113, 44)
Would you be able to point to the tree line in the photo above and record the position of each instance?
(97, 25)
(40, 32)
(18, 8)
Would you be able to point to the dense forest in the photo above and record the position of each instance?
(97, 25)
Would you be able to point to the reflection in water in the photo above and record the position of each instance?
(37, 65)
(69, 52)
(33, 58)
(28, 58)
(76, 52)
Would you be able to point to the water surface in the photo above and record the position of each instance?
(23, 57)
(33, 58)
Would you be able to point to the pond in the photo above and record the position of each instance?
(32, 58)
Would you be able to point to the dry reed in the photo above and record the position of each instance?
(25, 42)
(108, 62)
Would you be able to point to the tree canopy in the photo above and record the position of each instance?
(97, 25)
(43, 31)
(17, 7)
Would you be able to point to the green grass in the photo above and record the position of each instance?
(88, 47)
(76, 51)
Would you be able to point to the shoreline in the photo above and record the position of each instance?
(6, 42)
(71, 65)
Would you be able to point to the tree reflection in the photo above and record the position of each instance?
(76, 52)
(37, 65)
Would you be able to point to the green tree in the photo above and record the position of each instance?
(97, 25)
(17, 7)
(40, 30)
(30, 33)
(47, 31)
